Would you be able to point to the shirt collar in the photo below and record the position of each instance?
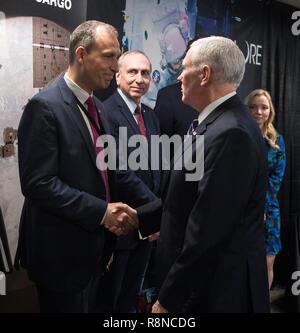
(212, 106)
(128, 101)
(80, 93)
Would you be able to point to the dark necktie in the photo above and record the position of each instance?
(99, 150)
(140, 122)
(192, 128)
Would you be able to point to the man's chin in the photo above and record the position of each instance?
(135, 94)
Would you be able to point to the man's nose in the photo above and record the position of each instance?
(139, 77)
(114, 67)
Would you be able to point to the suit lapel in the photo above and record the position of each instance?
(76, 117)
(151, 130)
(202, 128)
(130, 118)
(215, 114)
(107, 131)
(103, 120)
(127, 113)
(147, 122)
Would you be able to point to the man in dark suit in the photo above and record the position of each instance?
(5, 258)
(68, 219)
(211, 252)
(125, 110)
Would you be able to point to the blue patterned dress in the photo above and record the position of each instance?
(276, 166)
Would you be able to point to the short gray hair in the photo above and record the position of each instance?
(127, 53)
(222, 55)
(84, 35)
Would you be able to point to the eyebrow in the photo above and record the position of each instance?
(112, 52)
(138, 69)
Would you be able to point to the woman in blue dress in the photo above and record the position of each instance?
(261, 106)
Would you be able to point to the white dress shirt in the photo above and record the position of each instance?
(212, 106)
(82, 96)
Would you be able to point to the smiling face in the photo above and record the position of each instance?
(260, 109)
(99, 65)
(134, 76)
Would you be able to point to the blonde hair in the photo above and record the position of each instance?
(268, 129)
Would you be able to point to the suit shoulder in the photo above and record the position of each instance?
(110, 100)
(171, 89)
(43, 100)
(110, 105)
(238, 115)
(50, 93)
(146, 108)
(238, 122)
(152, 114)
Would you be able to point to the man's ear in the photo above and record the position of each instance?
(79, 53)
(206, 75)
(118, 78)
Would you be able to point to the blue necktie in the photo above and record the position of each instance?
(192, 128)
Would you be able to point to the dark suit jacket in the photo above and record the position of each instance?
(174, 116)
(211, 249)
(5, 258)
(61, 239)
(144, 184)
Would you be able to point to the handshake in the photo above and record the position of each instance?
(120, 218)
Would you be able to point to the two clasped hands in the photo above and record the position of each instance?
(120, 218)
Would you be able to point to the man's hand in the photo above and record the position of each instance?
(120, 218)
(158, 308)
(153, 237)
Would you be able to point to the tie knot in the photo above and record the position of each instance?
(193, 126)
(91, 106)
(90, 102)
(137, 110)
(92, 109)
(140, 121)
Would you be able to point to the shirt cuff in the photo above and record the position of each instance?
(103, 218)
(141, 237)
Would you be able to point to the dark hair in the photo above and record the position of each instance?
(84, 35)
